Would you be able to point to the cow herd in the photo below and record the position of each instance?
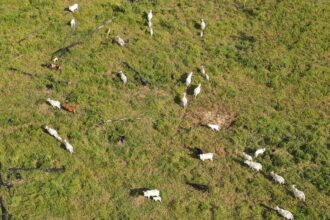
(154, 194)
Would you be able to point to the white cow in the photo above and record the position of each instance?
(184, 100)
(157, 198)
(150, 15)
(277, 178)
(120, 41)
(253, 165)
(284, 213)
(259, 151)
(73, 7)
(188, 79)
(207, 156)
(123, 77)
(197, 90)
(151, 193)
(203, 26)
(55, 59)
(54, 103)
(214, 127)
(68, 146)
(53, 133)
(297, 193)
(247, 157)
(73, 23)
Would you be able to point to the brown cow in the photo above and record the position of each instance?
(69, 108)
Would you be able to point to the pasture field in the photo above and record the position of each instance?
(268, 63)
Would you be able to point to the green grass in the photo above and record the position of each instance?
(268, 63)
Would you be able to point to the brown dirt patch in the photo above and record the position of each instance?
(138, 201)
(217, 114)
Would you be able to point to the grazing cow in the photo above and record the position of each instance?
(260, 151)
(150, 24)
(73, 23)
(247, 157)
(68, 146)
(55, 59)
(206, 156)
(73, 7)
(123, 77)
(202, 69)
(284, 213)
(151, 193)
(297, 193)
(277, 178)
(197, 90)
(253, 165)
(150, 15)
(53, 133)
(54, 103)
(214, 127)
(184, 100)
(69, 108)
(157, 198)
(52, 66)
(188, 79)
(120, 41)
(203, 26)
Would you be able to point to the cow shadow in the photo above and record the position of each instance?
(137, 192)
(199, 187)
(195, 152)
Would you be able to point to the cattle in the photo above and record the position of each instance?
(253, 165)
(284, 213)
(247, 157)
(203, 26)
(73, 7)
(214, 127)
(297, 193)
(188, 79)
(69, 108)
(68, 146)
(206, 156)
(151, 193)
(150, 15)
(54, 103)
(197, 90)
(259, 151)
(53, 133)
(184, 100)
(157, 198)
(277, 178)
